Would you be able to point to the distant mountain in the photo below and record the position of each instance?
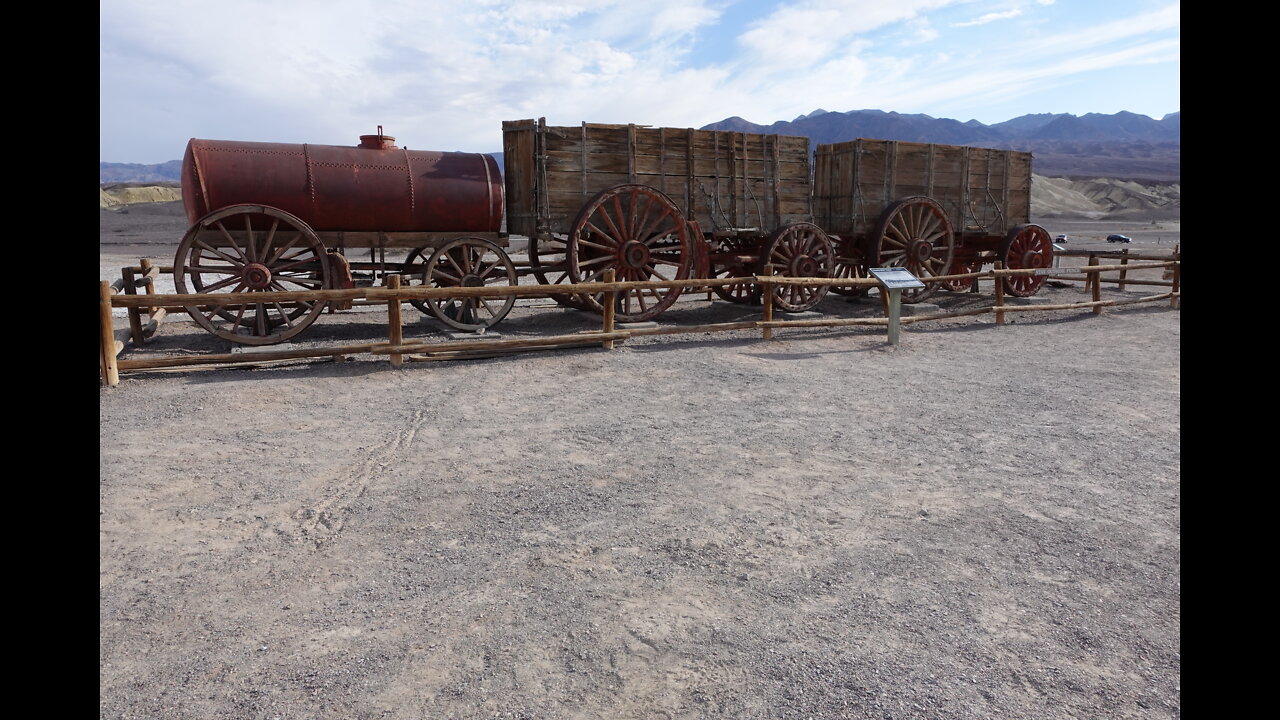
(1123, 145)
(133, 172)
(824, 127)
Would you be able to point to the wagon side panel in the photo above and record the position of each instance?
(721, 179)
(518, 139)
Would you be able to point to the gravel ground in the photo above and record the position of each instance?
(981, 522)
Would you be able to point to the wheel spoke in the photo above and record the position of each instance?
(283, 315)
(220, 284)
(305, 282)
(249, 241)
(283, 248)
(649, 238)
(231, 240)
(606, 248)
(621, 235)
(611, 241)
(219, 253)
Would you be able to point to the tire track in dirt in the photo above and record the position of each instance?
(323, 519)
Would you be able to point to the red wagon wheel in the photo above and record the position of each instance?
(470, 262)
(959, 268)
(1026, 246)
(915, 233)
(414, 272)
(639, 233)
(246, 249)
(743, 292)
(799, 250)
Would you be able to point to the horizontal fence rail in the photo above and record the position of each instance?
(122, 293)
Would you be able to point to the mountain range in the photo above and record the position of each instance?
(1124, 145)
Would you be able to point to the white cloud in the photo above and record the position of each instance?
(443, 75)
(991, 17)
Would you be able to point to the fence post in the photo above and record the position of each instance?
(107, 336)
(135, 315)
(1097, 286)
(1177, 278)
(151, 283)
(395, 332)
(767, 332)
(999, 287)
(610, 307)
(895, 314)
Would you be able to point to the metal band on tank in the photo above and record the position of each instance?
(488, 184)
(311, 183)
(408, 166)
(204, 191)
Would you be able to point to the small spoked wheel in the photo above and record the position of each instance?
(639, 233)
(549, 263)
(915, 233)
(850, 262)
(799, 250)
(960, 268)
(252, 249)
(1026, 247)
(741, 292)
(466, 263)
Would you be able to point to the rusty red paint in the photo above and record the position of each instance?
(374, 187)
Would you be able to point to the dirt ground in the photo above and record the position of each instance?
(982, 522)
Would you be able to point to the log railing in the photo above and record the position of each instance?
(123, 293)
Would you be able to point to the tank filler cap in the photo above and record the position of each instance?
(378, 142)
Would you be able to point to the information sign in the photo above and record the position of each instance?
(896, 278)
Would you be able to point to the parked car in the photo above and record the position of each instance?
(1061, 239)
(1118, 238)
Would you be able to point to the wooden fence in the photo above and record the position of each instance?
(123, 293)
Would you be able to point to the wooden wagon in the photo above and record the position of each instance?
(934, 209)
(663, 204)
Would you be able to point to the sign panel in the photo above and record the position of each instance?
(896, 278)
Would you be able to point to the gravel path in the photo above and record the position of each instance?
(981, 522)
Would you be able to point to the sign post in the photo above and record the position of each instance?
(894, 280)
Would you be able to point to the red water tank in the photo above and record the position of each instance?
(376, 186)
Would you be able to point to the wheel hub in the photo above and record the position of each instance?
(920, 250)
(472, 281)
(804, 266)
(1032, 259)
(256, 276)
(635, 254)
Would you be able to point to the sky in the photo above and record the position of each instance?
(441, 75)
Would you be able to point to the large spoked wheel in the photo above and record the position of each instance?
(915, 233)
(470, 262)
(549, 263)
(1026, 246)
(639, 233)
(248, 249)
(799, 250)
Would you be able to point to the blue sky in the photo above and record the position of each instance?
(444, 75)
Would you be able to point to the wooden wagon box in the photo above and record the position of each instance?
(983, 191)
(721, 179)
